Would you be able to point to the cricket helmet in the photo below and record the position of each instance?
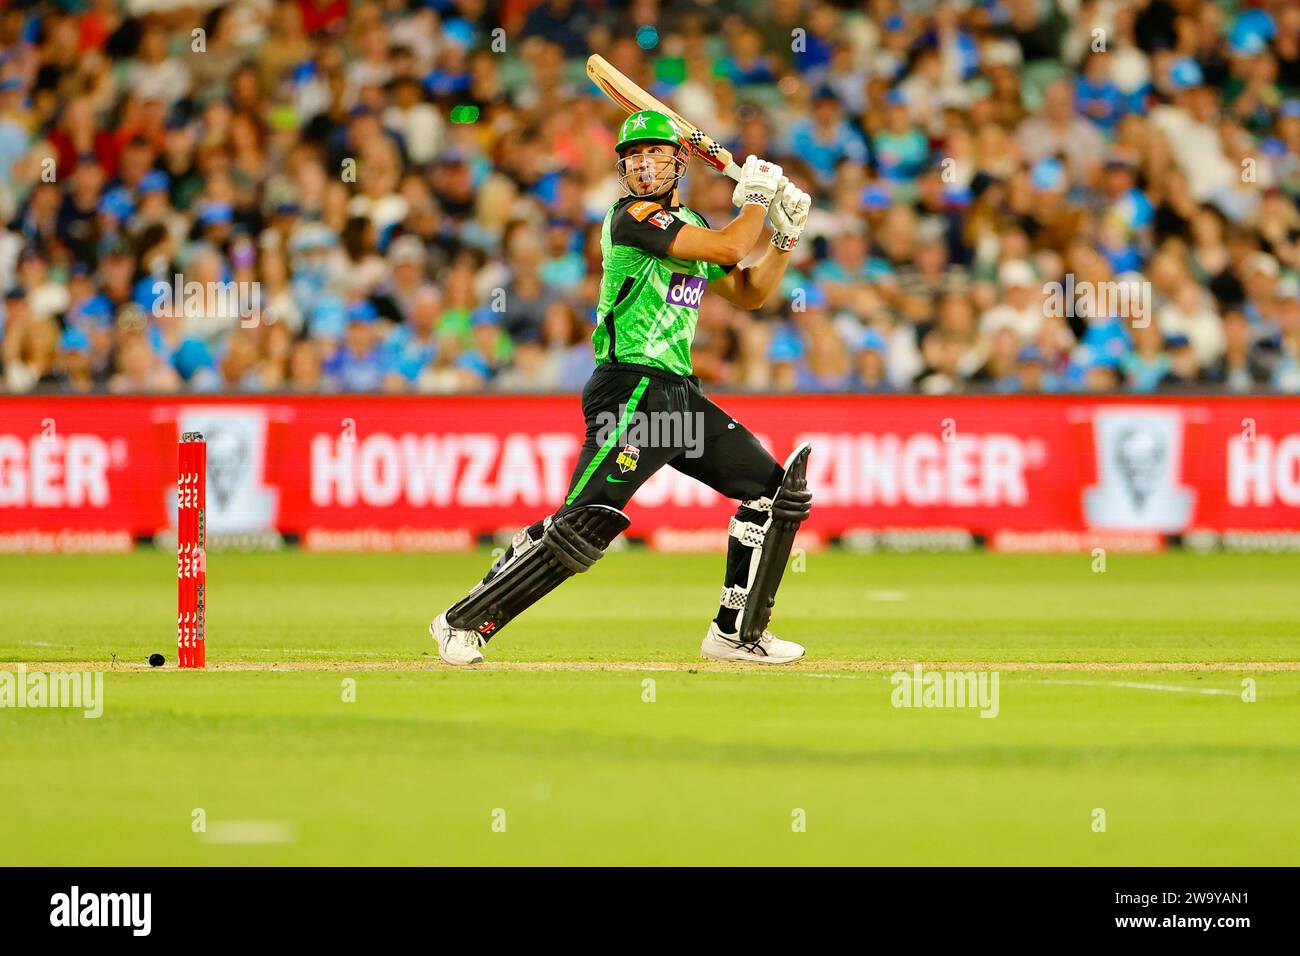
(650, 127)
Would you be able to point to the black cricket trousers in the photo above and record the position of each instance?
(629, 438)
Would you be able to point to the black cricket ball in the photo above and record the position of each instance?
(156, 660)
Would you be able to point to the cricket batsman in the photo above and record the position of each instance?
(658, 258)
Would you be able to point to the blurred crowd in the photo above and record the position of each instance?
(406, 196)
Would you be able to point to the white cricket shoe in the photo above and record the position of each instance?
(454, 645)
(768, 649)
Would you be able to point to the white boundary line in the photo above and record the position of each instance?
(1130, 685)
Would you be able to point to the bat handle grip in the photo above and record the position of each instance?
(732, 170)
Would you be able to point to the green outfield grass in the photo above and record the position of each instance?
(715, 770)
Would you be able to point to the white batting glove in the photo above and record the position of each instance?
(759, 181)
(789, 214)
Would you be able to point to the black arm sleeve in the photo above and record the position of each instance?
(654, 231)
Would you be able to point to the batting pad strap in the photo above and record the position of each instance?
(747, 533)
(734, 598)
(758, 504)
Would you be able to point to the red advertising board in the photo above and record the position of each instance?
(359, 472)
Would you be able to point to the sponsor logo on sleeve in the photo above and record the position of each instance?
(661, 219)
(639, 210)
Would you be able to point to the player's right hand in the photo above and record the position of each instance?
(759, 181)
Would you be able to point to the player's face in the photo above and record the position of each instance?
(648, 169)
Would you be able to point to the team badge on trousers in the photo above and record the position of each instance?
(627, 458)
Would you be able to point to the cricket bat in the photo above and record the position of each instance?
(632, 98)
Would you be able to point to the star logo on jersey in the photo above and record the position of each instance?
(638, 122)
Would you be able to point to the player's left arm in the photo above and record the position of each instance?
(750, 286)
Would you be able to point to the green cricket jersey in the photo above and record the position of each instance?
(649, 301)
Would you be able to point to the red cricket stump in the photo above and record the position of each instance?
(191, 549)
(182, 583)
(200, 550)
